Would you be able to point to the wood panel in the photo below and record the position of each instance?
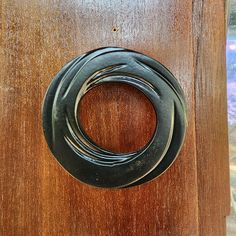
(131, 117)
(211, 116)
(37, 196)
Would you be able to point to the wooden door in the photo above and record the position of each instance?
(37, 196)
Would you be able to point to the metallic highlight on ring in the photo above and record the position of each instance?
(77, 153)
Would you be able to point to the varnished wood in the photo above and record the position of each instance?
(129, 113)
(211, 116)
(37, 197)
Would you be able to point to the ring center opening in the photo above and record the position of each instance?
(117, 117)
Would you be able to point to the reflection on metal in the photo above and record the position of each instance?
(77, 153)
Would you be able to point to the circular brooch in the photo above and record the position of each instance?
(77, 153)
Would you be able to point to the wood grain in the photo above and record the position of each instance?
(129, 113)
(211, 116)
(37, 197)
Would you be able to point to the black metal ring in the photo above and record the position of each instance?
(82, 158)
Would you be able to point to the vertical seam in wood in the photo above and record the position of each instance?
(197, 8)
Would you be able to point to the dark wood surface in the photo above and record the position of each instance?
(130, 115)
(37, 197)
(211, 116)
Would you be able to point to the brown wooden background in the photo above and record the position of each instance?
(37, 197)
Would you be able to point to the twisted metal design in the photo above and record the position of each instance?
(77, 153)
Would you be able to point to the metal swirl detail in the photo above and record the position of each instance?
(77, 153)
